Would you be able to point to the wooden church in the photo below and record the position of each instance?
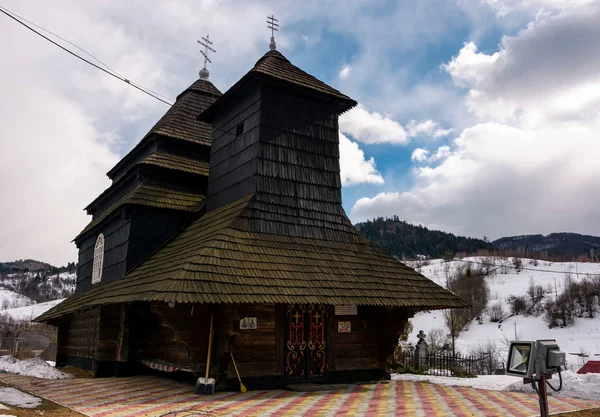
(231, 208)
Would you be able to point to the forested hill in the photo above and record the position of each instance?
(555, 244)
(401, 239)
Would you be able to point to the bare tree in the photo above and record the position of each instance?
(496, 312)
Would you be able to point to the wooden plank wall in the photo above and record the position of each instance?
(171, 334)
(113, 334)
(355, 350)
(175, 335)
(374, 334)
(78, 336)
(255, 351)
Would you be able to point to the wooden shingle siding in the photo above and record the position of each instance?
(233, 158)
(142, 153)
(116, 236)
(150, 229)
(152, 196)
(179, 123)
(175, 162)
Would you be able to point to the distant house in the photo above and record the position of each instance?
(231, 206)
(591, 367)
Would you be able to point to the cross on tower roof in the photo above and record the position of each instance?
(207, 47)
(274, 26)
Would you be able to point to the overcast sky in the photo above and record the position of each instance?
(478, 117)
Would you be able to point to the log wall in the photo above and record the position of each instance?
(78, 335)
(354, 350)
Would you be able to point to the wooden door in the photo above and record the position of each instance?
(306, 340)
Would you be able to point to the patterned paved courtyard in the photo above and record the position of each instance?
(151, 396)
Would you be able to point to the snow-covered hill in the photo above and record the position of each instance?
(582, 337)
(25, 295)
(38, 286)
(30, 312)
(10, 299)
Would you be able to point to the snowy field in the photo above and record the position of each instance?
(10, 299)
(585, 387)
(582, 337)
(30, 312)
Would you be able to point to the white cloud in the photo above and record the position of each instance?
(528, 163)
(355, 169)
(442, 153)
(533, 77)
(419, 128)
(505, 8)
(375, 128)
(501, 180)
(47, 176)
(419, 155)
(372, 127)
(345, 71)
(440, 133)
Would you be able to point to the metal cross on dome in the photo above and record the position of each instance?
(274, 26)
(207, 47)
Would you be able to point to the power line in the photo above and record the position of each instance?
(109, 71)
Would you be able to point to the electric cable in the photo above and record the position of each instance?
(111, 73)
(559, 384)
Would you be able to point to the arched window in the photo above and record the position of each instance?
(98, 259)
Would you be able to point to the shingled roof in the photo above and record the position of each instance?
(151, 196)
(276, 66)
(219, 259)
(181, 120)
(177, 162)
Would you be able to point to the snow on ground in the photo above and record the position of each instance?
(493, 382)
(583, 336)
(16, 398)
(35, 367)
(586, 387)
(32, 311)
(11, 299)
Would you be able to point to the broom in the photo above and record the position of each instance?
(242, 386)
(206, 385)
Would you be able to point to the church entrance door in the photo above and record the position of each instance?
(306, 340)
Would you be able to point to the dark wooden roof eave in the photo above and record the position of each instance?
(343, 102)
(132, 199)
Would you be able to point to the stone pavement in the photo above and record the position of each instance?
(151, 396)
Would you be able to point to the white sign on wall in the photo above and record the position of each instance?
(248, 323)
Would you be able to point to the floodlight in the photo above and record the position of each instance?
(519, 359)
(536, 362)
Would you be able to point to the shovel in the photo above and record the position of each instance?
(206, 385)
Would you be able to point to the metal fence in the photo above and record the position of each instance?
(446, 364)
